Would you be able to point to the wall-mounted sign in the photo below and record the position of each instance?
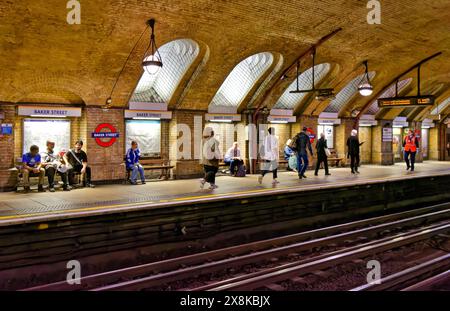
(148, 114)
(111, 136)
(223, 117)
(387, 134)
(312, 135)
(329, 121)
(6, 129)
(148, 106)
(406, 101)
(282, 112)
(52, 112)
(285, 119)
(368, 122)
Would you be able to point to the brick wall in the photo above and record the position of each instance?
(7, 177)
(342, 132)
(382, 153)
(106, 163)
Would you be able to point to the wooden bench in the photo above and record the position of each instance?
(336, 161)
(155, 164)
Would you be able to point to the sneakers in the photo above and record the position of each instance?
(202, 183)
(275, 182)
(67, 188)
(52, 189)
(89, 185)
(213, 186)
(133, 183)
(260, 179)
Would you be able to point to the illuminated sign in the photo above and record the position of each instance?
(147, 114)
(223, 117)
(284, 119)
(406, 101)
(54, 112)
(112, 135)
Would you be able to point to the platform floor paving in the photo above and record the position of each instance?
(17, 206)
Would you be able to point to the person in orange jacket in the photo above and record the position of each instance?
(410, 146)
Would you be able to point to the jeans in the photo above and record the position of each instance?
(412, 161)
(50, 171)
(134, 172)
(210, 173)
(302, 162)
(27, 173)
(86, 178)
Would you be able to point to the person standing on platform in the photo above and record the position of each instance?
(31, 165)
(270, 157)
(322, 157)
(353, 146)
(233, 158)
(410, 145)
(303, 144)
(133, 165)
(288, 153)
(210, 158)
(77, 159)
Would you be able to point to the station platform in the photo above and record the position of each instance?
(16, 208)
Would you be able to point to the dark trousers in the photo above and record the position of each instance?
(354, 162)
(321, 160)
(50, 171)
(210, 173)
(77, 169)
(302, 162)
(410, 159)
(233, 165)
(270, 166)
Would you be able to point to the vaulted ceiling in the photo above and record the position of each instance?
(44, 59)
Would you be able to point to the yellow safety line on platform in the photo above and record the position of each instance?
(204, 197)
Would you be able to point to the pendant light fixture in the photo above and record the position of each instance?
(152, 61)
(365, 88)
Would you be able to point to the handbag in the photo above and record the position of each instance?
(327, 152)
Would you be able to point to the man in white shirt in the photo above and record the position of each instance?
(233, 158)
(270, 157)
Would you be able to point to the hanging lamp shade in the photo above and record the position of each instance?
(365, 88)
(152, 61)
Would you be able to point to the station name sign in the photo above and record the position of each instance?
(146, 114)
(288, 119)
(223, 117)
(406, 101)
(40, 111)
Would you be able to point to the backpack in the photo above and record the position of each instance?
(241, 171)
(293, 144)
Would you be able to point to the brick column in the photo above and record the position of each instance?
(185, 137)
(105, 163)
(297, 127)
(342, 132)
(8, 177)
(382, 153)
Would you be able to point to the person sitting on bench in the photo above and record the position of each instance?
(233, 158)
(32, 166)
(77, 158)
(51, 162)
(133, 165)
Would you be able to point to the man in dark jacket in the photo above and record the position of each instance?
(303, 143)
(353, 151)
(321, 154)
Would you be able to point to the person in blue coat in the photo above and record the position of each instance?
(288, 152)
(133, 165)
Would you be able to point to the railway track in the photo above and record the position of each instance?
(341, 242)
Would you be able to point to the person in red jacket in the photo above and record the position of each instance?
(410, 145)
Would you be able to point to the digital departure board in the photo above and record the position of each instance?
(406, 101)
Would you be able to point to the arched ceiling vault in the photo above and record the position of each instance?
(85, 59)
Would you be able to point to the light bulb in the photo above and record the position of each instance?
(365, 89)
(152, 64)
